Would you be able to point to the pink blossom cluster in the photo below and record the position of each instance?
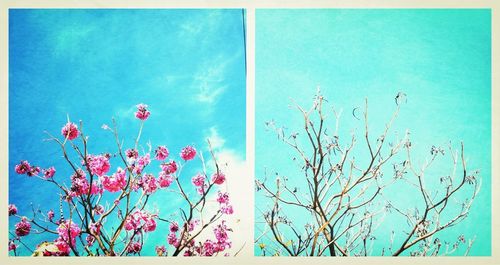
(198, 180)
(161, 153)
(12, 209)
(223, 200)
(67, 231)
(49, 172)
(98, 164)
(131, 155)
(218, 178)
(172, 238)
(134, 247)
(188, 153)
(208, 248)
(116, 182)
(142, 112)
(99, 209)
(70, 131)
(161, 251)
(200, 184)
(90, 239)
(141, 220)
(24, 167)
(211, 247)
(170, 167)
(141, 163)
(164, 180)
(12, 245)
(221, 235)
(50, 215)
(23, 228)
(80, 185)
(149, 184)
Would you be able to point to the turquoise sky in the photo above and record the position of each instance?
(187, 65)
(440, 58)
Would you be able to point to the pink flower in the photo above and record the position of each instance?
(116, 182)
(12, 246)
(142, 162)
(208, 249)
(99, 210)
(50, 215)
(174, 227)
(63, 247)
(95, 228)
(79, 183)
(90, 240)
(218, 178)
(170, 167)
(227, 209)
(161, 250)
(198, 180)
(70, 131)
(202, 189)
(96, 188)
(220, 232)
(150, 225)
(172, 239)
(149, 184)
(99, 164)
(23, 167)
(192, 224)
(142, 113)
(67, 231)
(161, 153)
(188, 153)
(23, 228)
(139, 219)
(222, 198)
(164, 180)
(49, 172)
(34, 171)
(132, 155)
(134, 247)
(12, 209)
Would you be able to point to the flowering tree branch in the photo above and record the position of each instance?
(119, 226)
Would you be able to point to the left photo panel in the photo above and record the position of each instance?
(127, 132)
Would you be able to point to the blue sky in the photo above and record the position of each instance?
(187, 65)
(440, 58)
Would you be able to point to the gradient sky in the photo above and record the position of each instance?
(440, 58)
(187, 65)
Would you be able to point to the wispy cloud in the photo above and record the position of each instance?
(124, 113)
(70, 39)
(215, 139)
(198, 30)
(209, 82)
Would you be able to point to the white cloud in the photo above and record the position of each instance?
(239, 183)
(215, 139)
(209, 81)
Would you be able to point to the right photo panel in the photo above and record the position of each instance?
(373, 132)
